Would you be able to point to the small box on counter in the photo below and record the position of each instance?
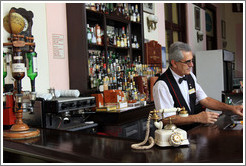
(106, 108)
(119, 105)
(134, 104)
(99, 99)
(113, 96)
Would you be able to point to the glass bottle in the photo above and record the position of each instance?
(124, 36)
(137, 14)
(100, 83)
(98, 35)
(93, 39)
(134, 16)
(135, 41)
(89, 37)
(32, 69)
(4, 68)
(18, 68)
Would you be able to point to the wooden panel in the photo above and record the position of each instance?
(153, 53)
(77, 52)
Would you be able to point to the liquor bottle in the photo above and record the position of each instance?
(134, 17)
(32, 69)
(18, 68)
(93, 39)
(97, 5)
(100, 83)
(89, 37)
(4, 68)
(103, 8)
(133, 43)
(118, 42)
(124, 36)
(114, 40)
(122, 43)
(92, 82)
(98, 35)
(137, 14)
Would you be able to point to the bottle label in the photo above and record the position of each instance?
(18, 67)
(17, 57)
(98, 31)
(4, 65)
(34, 65)
(101, 88)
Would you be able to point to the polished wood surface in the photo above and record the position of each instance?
(208, 144)
(119, 118)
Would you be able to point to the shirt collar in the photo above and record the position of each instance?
(176, 76)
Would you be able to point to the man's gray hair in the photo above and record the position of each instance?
(175, 51)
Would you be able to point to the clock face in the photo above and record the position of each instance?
(26, 24)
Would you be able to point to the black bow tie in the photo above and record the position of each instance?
(181, 79)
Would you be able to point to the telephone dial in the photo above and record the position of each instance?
(169, 136)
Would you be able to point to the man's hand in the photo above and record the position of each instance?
(207, 117)
(238, 109)
(217, 105)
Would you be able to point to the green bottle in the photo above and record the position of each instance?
(32, 70)
(4, 68)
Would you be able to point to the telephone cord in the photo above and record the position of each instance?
(151, 140)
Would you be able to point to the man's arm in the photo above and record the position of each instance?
(202, 117)
(217, 105)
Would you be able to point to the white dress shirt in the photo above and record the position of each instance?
(164, 99)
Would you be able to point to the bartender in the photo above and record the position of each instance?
(178, 87)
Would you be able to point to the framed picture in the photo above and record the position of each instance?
(149, 8)
(209, 23)
(223, 29)
(197, 18)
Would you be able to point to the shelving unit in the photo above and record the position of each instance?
(77, 19)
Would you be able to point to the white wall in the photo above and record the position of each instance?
(40, 39)
(192, 32)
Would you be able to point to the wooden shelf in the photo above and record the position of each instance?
(77, 19)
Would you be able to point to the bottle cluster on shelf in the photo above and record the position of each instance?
(114, 71)
(129, 11)
(95, 34)
(117, 37)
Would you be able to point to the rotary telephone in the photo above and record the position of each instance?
(169, 136)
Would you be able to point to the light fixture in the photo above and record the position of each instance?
(199, 36)
(151, 22)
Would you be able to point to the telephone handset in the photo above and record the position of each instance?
(169, 136)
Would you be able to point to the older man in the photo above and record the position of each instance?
(178, 87)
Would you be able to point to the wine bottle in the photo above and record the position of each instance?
(32, 70)
(137, 14)
(18, 68)
(4, 68)
(89, 35)
(93, 39)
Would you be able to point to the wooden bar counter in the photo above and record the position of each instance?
(208, 144)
